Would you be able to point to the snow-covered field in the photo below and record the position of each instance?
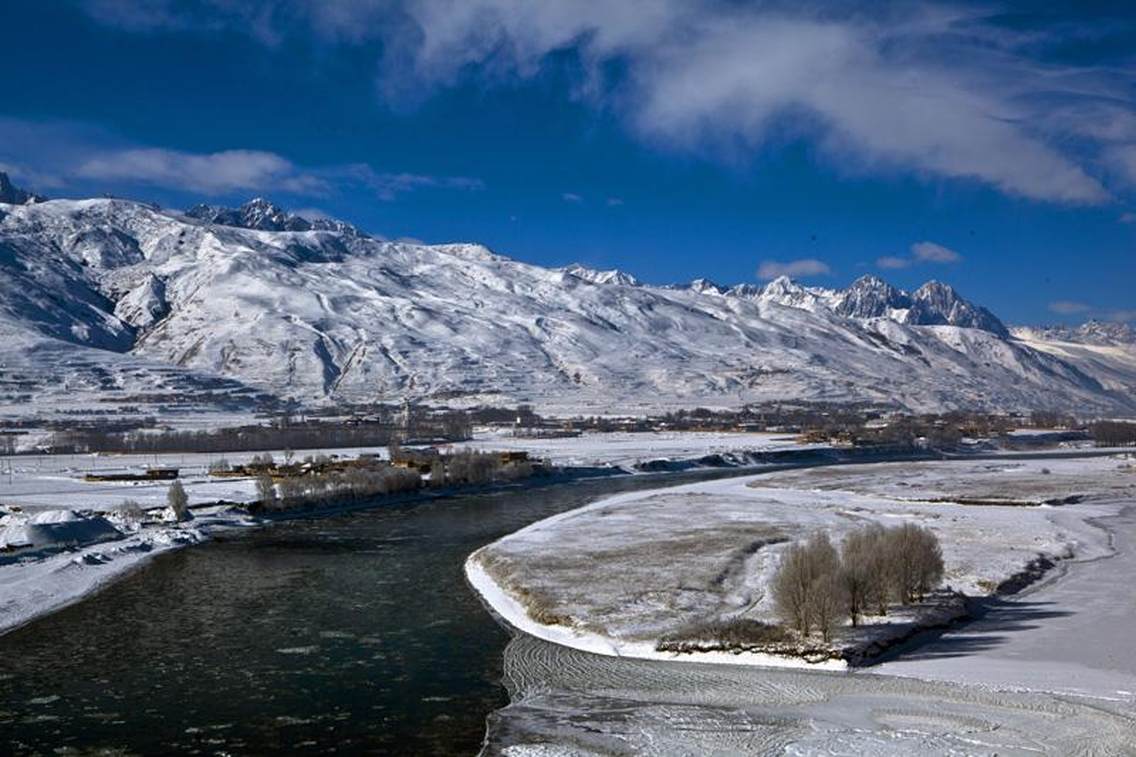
(626, 449)
(619, 574)
(56, 481)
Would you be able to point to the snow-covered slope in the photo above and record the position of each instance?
(1105, 351)
(331, 313)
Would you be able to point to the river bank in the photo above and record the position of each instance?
(620, 575)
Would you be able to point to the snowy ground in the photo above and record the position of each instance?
(617, 575)
(38, 581)
(568, 702)
(56, 481)
(626, 449)
(1071, 635)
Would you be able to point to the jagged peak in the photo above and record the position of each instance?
(12, 195)
(261, 214)
(596, 276)
(870, 297)
(1092, 331)
(744, 290)
(705, 286)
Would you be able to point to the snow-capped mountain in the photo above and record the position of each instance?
(111, 294)
(1100, 333)
(1105, 351)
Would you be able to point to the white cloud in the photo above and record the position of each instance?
(59, 155)
(771, 269)
(614, 202)
(892, 262)
(903, 90)
(572, 197)
(930, 252)
(208, 173)
(939, 90)
(1069, 307)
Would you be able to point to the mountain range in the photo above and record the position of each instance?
(112, 298)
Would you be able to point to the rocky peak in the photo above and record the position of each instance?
(871, 297)
(262, 215)
(13, 195)
(936, 303)
(705, 286)
(612, 276)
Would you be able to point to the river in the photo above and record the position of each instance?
(355, 633)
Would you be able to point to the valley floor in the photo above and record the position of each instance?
(36, 581)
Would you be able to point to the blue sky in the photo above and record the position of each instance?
(980, 144)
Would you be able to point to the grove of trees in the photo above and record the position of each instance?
(817, 586)
(1113, 433)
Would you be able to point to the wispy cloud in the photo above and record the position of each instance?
(1128, 217)
(930, 252)
(209, 173)
(389, 186)
(55, 155)
(1069, 307)
(572, 197)
(771, 269)
(614, 202)
(1073, 307)
(891, 262)
(940, 89)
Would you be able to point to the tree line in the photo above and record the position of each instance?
(1113, 433)
(310, 435)
(817, 586)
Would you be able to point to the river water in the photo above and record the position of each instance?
(355, 634)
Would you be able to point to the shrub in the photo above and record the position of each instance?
(131, 512)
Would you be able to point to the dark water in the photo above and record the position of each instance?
(356, 633)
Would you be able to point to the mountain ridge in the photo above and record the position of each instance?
(331, 314)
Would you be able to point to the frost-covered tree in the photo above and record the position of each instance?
(178, 501)
(266, 491)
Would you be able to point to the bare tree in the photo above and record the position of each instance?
(806, 590)
(827, 603)
(863, 572)
(914, 561)
(791, 589)
(437, 474)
